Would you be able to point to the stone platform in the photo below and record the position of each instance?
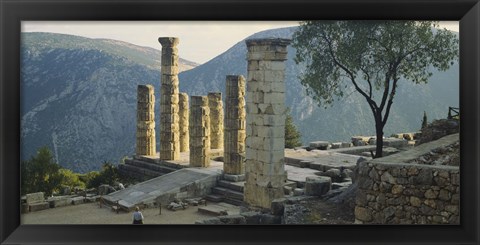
(181, 184)
(321, 160)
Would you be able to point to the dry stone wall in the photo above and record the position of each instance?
(235, 125)
(183, 121)
(403, 193)
(146, 143)
(216, 117)
(169, 118)
(199, 132)
(265, 105)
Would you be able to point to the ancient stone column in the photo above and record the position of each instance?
(265, 173)
(199, 130)
(183, 121)
(169, 119)
(216, 120)
(234, 141)
(145, 121)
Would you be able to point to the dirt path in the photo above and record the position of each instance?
(91, 213)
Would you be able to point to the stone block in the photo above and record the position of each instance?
(78, 200)
(278, 206)
(37, 206)
(317, 186)
(59, 202)
(35, 197)
(321, 145)
(298, 191)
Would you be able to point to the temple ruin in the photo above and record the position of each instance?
(183, 121)
(216, 117)
(234, 138)
(264, 168)
(146, 143)
(199, 132)
(169, 118)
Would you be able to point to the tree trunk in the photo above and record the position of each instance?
(379, 131)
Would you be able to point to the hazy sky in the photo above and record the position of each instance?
(200, 41)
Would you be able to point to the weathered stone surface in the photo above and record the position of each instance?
(183, 121)
(363, 214)
(317, 186)
(37, 206)
(321, 145)
(199, 132)
(78, 200)
(278, 206)
(146, 142)
(235, 127)
(216, 120)
(35, 197)
(56, 202)
(264, 166)
(169, 109)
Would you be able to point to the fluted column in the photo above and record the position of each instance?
(145, 121)
(169, 118)
(216, 120)
(183, 122)
(234, 141)
(199, 131)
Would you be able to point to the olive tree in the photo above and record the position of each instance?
(372, 57)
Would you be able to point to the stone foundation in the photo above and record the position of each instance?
(199, 130)
(169, 119)
(216, 118)
(235, 125)
(146, 143)
(183, 121)
(264, 168)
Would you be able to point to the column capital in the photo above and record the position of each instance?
(168, 41)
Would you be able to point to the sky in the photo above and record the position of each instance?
(200, 41)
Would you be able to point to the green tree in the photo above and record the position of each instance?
(40, 173)
(70, 179)
(108, 175)
(292, 135)
(372, 57)
(424, 120)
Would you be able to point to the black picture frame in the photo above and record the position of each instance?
(12, 12)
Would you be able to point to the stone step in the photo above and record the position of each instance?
(235, 202)
(214, 198)
(227, 193)
(235, 186)
(219, 209)
(150, 166)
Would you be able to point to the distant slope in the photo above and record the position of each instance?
(79, 96)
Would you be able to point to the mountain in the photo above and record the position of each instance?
(348, 116)
(79, 96)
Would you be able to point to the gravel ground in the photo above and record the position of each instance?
(91, 213)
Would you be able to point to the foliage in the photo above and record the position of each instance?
(370, 57)
(71, 179)
(292, 135)
(40, 173)
(424, 120)
(108, 175)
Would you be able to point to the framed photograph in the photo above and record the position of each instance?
(454, 191)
